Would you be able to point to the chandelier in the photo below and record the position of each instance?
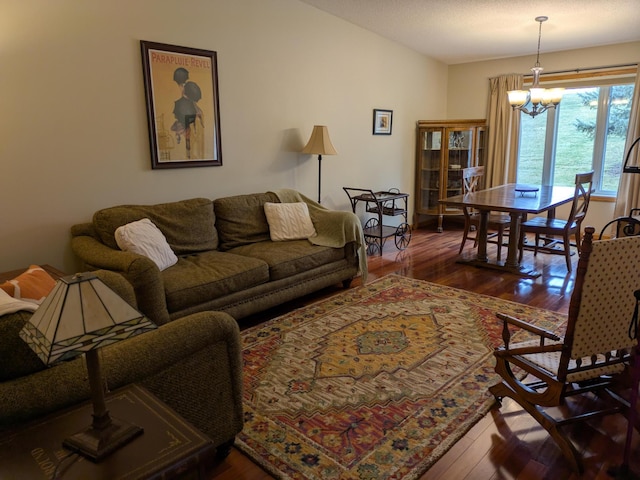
(540, 99)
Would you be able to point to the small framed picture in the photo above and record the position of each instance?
(382, 122)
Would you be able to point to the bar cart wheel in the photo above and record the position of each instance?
(403, 236)
(374, 243)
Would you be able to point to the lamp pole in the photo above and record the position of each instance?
(319, 176)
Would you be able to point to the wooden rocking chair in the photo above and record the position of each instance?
(596, 347)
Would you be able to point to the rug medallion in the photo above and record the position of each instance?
(376, 382)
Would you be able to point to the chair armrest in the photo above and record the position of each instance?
(193, 364)
(143, 274)
(509, 320)
(505, 351)
(97, 255)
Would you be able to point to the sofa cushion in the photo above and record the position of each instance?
(196, 279)
(286, 259)
(16, 358)
(188, 225)
(240, 219)
(289, 221)
(144, 238)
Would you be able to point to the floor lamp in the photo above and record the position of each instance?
(320, 144)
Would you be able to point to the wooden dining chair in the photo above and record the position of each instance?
(554, 233)
(542, 372)
(471, 178)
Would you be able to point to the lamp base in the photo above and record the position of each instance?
(97, 443)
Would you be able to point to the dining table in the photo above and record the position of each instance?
(518, 201)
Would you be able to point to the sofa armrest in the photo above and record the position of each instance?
(143, 274)
(193, 364)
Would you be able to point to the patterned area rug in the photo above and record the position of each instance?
(374, 383)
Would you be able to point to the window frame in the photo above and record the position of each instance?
(606, 77)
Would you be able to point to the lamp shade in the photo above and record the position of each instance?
(518, 97)
(81, 314)
(320, 143)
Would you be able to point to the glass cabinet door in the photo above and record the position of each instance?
(481, 134)
(430, 169)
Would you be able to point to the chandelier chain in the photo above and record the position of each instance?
(539, 37)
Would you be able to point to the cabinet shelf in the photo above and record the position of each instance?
(388, 211)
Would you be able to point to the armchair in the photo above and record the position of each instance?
(193, 364)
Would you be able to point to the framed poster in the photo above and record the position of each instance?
(181, 90)
(382, 122)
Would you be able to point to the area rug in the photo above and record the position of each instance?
(377, 382)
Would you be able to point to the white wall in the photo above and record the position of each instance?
(74, 136)
(468, 87)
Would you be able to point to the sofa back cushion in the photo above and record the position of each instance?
(188, 225)
(240, 219)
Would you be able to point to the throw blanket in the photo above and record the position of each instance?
(334, 228)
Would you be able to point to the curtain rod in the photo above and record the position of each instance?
(582, 70)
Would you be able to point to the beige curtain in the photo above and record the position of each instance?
(503, 126)
(629, 187)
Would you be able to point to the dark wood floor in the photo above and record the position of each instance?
(506, 443)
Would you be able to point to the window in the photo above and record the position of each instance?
(586, 131)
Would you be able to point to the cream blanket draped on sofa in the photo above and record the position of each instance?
(329, 232)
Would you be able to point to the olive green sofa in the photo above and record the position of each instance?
(193, 364)
(226, 258)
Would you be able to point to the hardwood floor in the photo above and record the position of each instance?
(507, 443)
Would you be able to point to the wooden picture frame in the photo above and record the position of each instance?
(182, 99)
(382, 122)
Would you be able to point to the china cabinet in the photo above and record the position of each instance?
(443, 149)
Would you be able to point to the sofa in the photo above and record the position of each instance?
(193, 364)
(226, 258)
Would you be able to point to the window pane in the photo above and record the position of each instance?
(531, 150)
(618, 121)
(576, 134)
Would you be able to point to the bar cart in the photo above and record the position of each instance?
(383, 203)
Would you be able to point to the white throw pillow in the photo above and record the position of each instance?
(289, 221)
(144, 238)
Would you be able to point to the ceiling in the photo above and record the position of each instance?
(461, 31)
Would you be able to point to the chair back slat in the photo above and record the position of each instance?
(606, 301)
(581, 198)
(471, 178)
